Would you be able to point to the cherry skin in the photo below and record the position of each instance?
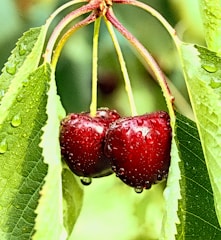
(139, 149)
(82, 140)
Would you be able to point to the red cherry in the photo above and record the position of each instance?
(139, 148)
(82, 140)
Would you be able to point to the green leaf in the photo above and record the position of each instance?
(171, 196)
(72, 198)
(22, 168)
(203, 79)
(61, 195)
(211, 15)
(24, 58)
(196, 213)
(49, 220)
(31, 194)
(22, 115)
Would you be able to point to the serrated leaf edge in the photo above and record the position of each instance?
(52, 157)
(172, 195)
(19, 77)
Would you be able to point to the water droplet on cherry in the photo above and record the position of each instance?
(120, 172)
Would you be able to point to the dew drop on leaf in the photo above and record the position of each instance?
(16, 120)
(25, 82)
(215, 83)
(3, 146)
(211, 68)
(19, 98)
(86, 181)
(2, 93)
(22, 49)
(11, 68)
(24, 135)
(138, 189)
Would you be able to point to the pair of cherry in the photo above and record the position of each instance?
(136, 148)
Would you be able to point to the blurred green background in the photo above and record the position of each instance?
(112, 210)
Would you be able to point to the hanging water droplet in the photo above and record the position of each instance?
(159, 177)
(211, 68)
(11, 68)
(22, 49)
(138, 189)
(16, 120)
(148, 184)
(86, 181)
(3, 146)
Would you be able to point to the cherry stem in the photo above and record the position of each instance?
(147, 57)
(155, 14)
(64, 22)
(61, 8)
(123, 68)
(91, 18)
(93, 106)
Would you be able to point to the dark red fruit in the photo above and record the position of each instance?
(107, 82)
(139, 148)
(82, 140)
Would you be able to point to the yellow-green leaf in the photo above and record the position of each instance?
(211, 16)
(49, 220)
(22, 168)
(197, 216)
(23, 60)
(202, 70)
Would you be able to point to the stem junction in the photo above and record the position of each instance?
(103, 8)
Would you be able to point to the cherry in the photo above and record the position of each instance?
(107, 83)
(82, 139)
(139, 149)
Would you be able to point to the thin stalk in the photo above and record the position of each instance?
(148, 59)
(63, 23)
(93, 106)
(123, 68)
(91, 18)
(61, 8)
(155, 14)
